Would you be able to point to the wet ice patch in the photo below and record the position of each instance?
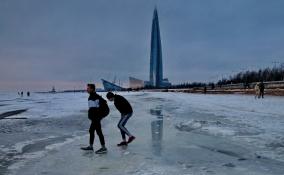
(221, 127)
(273, 150)
(217, 130)
(189, 125)
(209, 127)
(22, 152)
(56, 146)
(20, 163)
(19, 147)
(279, 143)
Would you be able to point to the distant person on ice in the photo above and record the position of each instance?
(257, 90)
(261, 89)
(124, 107)
(98, 109)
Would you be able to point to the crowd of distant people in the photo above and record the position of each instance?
(22, 94)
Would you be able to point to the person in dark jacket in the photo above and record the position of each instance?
(125, 109)
(261, 89)
(96, 113)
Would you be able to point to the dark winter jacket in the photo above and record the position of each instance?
(261, 86)
(97, 106)
(122, 105)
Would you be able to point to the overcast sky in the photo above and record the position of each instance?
(67, 43)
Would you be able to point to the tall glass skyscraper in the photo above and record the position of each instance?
(156, 64)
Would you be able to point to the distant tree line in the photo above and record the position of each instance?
(267, 74)
(188, 85)
(184, 86)
(244, 77)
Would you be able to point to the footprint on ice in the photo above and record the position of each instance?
(104, 168)
(185, 165)
(231, 165)
(242, 159)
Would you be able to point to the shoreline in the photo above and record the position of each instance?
(272, 92)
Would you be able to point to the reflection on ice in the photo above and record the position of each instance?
(157, 136)
(156, 112)
(157, 131)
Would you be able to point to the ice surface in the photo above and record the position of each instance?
(176, 133)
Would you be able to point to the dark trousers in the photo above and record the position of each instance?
(96, 126)
(121, 125)
(261, 93)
